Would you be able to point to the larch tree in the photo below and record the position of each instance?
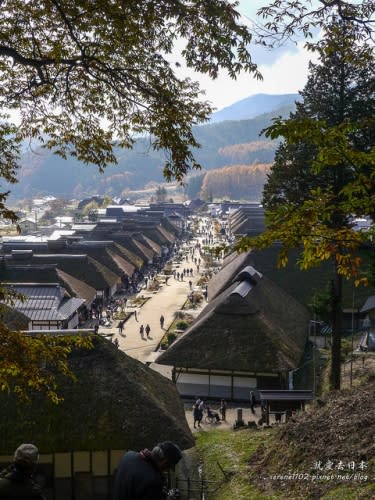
(323, 174)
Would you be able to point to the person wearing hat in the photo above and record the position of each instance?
(16, 481)
(139, 476)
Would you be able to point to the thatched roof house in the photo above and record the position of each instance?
(115, 404)
(250, 336)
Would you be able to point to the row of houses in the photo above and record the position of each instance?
(115, 403)
(89, 263)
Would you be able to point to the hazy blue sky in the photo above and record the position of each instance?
(284, 69)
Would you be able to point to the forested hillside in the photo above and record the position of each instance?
(236, 182)
(222, 144)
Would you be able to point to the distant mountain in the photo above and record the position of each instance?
(253, 106)
(222, 144)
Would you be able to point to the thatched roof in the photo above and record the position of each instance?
(159, 235)
(78, 287)
(167, 233)
(155, 247)
(233, 263)
(130, 255)
(101, 251)
(48, 274)
(126, 267)
(252, 326)
(81, 266)
(132, 250)
(143, 249)
(116, 403)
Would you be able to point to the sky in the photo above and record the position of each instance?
(284, 69)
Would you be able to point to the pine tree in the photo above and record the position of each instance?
(325, 160)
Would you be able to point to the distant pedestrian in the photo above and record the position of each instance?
(141, 330)
(190, 284)
(136, 316)
(120, 327)
(116, 342)
(201, 409)
(161, 321)
(252, 402)
(223, 409)
(147, 330)
(196, 415)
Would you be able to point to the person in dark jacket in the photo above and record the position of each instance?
(139, 476)
(16, 481)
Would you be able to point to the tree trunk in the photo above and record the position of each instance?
(335, 375)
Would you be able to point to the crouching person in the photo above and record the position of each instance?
(139, 476)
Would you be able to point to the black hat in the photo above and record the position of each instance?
(171, 452)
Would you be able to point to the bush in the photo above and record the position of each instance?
(171, 337)
(182, 325)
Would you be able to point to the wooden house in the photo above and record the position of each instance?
(115, 404)
(250, 336)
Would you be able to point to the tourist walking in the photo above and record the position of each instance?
(120, 327)
(223, 409)
(141, 330)
(161, 321)
(147, 330)
(252, 402)
(196, 416)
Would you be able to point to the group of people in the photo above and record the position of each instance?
(145, 329)
(200, 406)
(139, 475)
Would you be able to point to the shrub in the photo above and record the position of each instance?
(171, 337)
(182, 325)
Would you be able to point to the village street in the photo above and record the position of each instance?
(166, 301)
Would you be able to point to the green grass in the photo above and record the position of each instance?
(225, 456)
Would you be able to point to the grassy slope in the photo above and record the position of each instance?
(341, 428)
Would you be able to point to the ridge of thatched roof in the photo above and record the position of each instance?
(262, 329)
(116, 402)
(147, 252)
(233, 264)
(78, 287)
(167, 234)
(170, 227)
(155, 247)
(100, 251)
(131, 256)
(123, 264)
